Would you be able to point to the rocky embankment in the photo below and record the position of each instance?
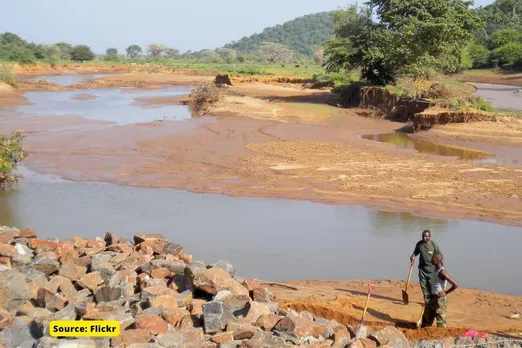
(158, 294)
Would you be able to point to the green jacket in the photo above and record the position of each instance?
(426, 253)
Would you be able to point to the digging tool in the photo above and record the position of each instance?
(419, 322)
(405, 296)
(361, 329)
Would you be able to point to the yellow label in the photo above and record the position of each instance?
(84, 328)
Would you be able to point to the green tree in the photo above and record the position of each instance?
(412, 37)
(480, 55)
(111, 54)
(504, 36)
(11, 153)
(65, 50)
(172, 53)
(134, 51)
(509, 55)
(81, 52)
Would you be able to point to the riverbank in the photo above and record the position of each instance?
(160, 296)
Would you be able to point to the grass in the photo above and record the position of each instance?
(7, 75)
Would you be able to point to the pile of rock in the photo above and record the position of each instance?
(160, 297)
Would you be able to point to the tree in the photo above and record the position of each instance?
(504, 36)
(479, 55)
(11, 153)
(172, 53)
(229, 55)
(134, 51)
(8, 38)
(156, 50)
(275, 52)
(111, 54)
(65, 50)
(81, 52)
(412, 37)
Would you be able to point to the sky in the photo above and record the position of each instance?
(185, 25)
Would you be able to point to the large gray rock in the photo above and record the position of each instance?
(174, 266)
(14, 291)
(172, 249)
(18, 337)
(46, 265)
(227, 266)
(216, 317)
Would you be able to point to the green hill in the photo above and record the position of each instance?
(302, 34)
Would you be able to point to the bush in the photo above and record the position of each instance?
(479, 55)
(509, 55)
(7, 75)
(204, 95)
(11, 152)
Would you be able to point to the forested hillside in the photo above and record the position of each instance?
(303, 34)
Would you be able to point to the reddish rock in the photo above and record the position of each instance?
(222, 337)
(268, 321)
(145, 250)
(129, 337)
(94, 250)
(215, 279)
(79, 242)
(255, 311)
(27, 233)
(160, 273)
(7, 250)
(96, 243)
(300, 327)
(85, 308)
(390, 335)
(7, 238)
(91, 281)
(157, 246)
(66, 253)
(164, 301)
(84, 261)
(72, 271)
(261, 294)
(196, 307)
(242, 331)
(140, 238)
(121, 248)
(63, 284)
(51, 301)
(251, 284)
(151, 292)
(6, 261)
(174, 316)
(152, 323)
(35, 243)
(194, 337)
(5, 319)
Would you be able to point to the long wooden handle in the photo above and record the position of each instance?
(409, 277)
(365, 307)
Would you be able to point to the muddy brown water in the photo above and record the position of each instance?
(65, 80)
(270, 239)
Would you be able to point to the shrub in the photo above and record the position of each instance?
(509, 55)
(479, 55)
(204, 95)
(7, 75)
(11, 152)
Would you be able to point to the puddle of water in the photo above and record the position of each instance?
(65, 80)
(501, 96)
(403, 141)
(271, 239)
(113, 105)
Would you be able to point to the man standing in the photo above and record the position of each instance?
(426, 248)
(438, 305)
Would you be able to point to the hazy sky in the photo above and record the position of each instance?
(192, 24)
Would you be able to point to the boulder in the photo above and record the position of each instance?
(151, 323)
(216, 317)
(390, 335)
(14, 291)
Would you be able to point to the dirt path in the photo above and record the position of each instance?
(344, 301)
